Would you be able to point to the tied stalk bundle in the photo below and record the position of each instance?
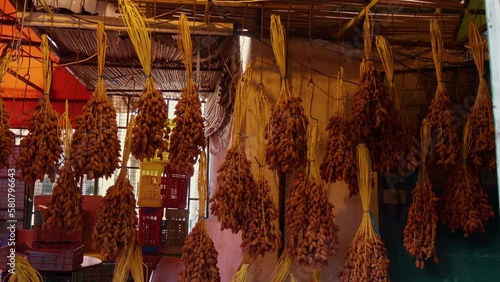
(6, 136)
(401, 141)
(199, 255)
(372, 109)
(65, 211)
(23, 272)
(465, 204)
(339, 162)
(261, 235)
(115, 228)
(40, 150)
(236, 186)
(366, 258)
(421, 225)
(188, 136)
(440, 116)
(151, 131)
(95, 145)
(309, 216)
(482, 152)
(286, 148)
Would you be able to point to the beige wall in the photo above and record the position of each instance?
(325, 59)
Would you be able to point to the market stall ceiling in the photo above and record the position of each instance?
(123, 70)
(401, 21)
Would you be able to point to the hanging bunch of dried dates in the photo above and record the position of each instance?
(40, 150)
(286, 145)
(421, 225)
(444, 135)
(261, 235)
(6, 136)
(188, 135)
(373, 118)
(402, 157)
(339, 160)
(482, 152)
(95, 145)
(235, 187)
(64, 210)
(234, 197)
(366, 258)
(115, 228)
(311, 224)
(465, 204)
(199, 256)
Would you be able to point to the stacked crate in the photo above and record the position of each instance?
(162, 194)
(55, 250)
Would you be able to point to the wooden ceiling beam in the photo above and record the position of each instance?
(91, 63)
(356, 19)
(37, 19)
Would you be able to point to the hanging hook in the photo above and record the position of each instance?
(312, 100)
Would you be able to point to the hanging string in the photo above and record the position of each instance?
(312, 146)
(262, 112)
(425, 135)
(437, 52)
(466, 142)
(100, 88)
(368, 34)
(240, 105)
(366, 180)
(186, 47)
(339, 94)
(278, 42)
(478, 49)
(385, 52)
(261, 44)
(202, 184)
(139, 36)
(47, 65)
(64, 126)
(101, 58)
(126, 149)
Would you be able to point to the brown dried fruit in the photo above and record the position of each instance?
(40, 150)
(235, 188)
(188, 135)
(6, 136)
(420, 230)
(312, 232)
(64, 210)
(199, 256)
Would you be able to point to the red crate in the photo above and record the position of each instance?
(150, 229)
(175, 190)
(56, 235)
(56, 256)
